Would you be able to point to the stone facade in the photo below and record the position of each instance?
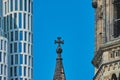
(107, 35)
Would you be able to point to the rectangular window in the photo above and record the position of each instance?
(4, 58)
(16, 78)
(15, 20)
(11, 71)
(11, 48)
(24, 71)
(25, 5)
(5, 7)
(11, 36)
(21, 35)
(15, 71)
(29, 60)
(11, 20)
(25, 36)
(21, 5)
(20, 20)
(28, 48)
(24, 47)
(11, 59)
(11, 5)
(28, 21)
(16, 35)
(16, 4)
(5, 45)
(29, 5)
(20, 70)
(24, 20)
(7, 23)
(16, 59)
(28, 72)
(0, 56)
(1, 69)
(5, 70)
(0, 78)
(21, 59)
(15, 47)
(25, 59)
(20, 47)
(1, 44)
(0, 23)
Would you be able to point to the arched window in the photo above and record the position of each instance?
(116, 18)
(114, 77)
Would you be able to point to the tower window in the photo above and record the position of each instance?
(114, 77)
(116, 18)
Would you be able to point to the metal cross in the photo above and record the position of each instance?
(58, 41)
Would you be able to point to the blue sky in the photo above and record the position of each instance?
(73, 20)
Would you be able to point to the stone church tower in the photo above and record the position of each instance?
(107, 37)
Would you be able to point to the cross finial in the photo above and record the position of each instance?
(58, 41)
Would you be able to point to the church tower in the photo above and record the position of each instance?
(107, 39)
(59, 70)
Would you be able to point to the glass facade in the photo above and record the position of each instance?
(3, 58)
(17, 26)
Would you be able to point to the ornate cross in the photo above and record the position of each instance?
(58, 41)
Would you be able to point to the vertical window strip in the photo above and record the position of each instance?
(20, 20)
(15, 20)
(11, 5)
(21, 5)
(16, 5)
(24, 20)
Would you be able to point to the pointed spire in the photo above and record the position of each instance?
(59, 70)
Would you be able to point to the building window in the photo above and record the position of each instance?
(0, 56)
(15, 47)
(11, 48)
(11, 36)
(25, 36)
(20, 70)
(21, 35)
(25, 71)
(21, 59)
(7, 23)
(24, 20)
(11, 21)
(25, 59)
(25, 5)
(20, 20)
(16, 35)
(116, 18)
(24, 47)
(21, 5)
(4, 58)
(28, 72)
(5, 45)
(11, 59)
(15, 20)
(20, 47)
(5, 7)
(114, 77)
(15, 70)
(28, 22)
(1, 44)
(0, 78)
(1, 69)
(16, 59)
(16, 4)
(29, 5)
(11, 5)
(5, 70)
(11, 71)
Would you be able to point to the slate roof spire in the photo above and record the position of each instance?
(59, 70)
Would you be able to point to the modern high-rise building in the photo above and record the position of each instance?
(16, 40)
